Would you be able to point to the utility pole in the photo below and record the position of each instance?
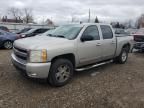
(89, 16)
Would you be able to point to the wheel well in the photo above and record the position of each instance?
(127, 46)
(70, 57)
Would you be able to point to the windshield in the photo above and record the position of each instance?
(48, 32)
(67, 31)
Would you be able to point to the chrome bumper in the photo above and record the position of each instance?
(34, 70)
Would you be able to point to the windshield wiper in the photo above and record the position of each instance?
(61, 36)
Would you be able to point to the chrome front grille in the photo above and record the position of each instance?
(20, 53)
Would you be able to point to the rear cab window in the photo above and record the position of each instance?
(106, 32)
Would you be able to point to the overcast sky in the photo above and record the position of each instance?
(61, 11)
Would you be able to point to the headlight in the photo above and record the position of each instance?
(23, 35)
(38, 56)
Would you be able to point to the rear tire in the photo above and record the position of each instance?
(61, 72)
(8, 44)
(122, 58)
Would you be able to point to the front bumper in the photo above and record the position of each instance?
(33, 70)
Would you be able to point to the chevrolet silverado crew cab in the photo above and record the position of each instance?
(71, 47)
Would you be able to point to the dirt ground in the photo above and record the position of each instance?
(108, 86)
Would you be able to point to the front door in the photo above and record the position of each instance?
(89, 50)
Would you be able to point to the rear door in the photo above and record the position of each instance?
(90, 51)
(109, 42)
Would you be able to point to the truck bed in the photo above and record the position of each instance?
(121, 40)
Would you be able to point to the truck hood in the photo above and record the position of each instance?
(41, 42)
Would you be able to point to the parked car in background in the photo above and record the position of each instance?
(68, 48)
(139, 39)
(131, 31)
(7, 39)
(120, 32)
(23, 30)
(4, 28)
(34, 32)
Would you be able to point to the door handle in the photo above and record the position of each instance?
(113, 42)
(98, 44)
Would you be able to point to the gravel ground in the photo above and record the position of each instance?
(109, 86)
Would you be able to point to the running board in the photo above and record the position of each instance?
(93, 66)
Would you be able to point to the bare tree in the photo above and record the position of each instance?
(15, 12)
(130, 23)
(28, 15)
(24, 15)
(140, 21)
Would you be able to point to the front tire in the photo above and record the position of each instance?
(122, 58)
(61, 72)
(8, 44)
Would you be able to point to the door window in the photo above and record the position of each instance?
(92, 31)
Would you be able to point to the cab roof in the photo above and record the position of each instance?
(88, 24)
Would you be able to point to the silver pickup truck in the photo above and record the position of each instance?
(58, 54)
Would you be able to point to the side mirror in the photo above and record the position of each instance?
(86, 38)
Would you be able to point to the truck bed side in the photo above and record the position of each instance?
(121, 41)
